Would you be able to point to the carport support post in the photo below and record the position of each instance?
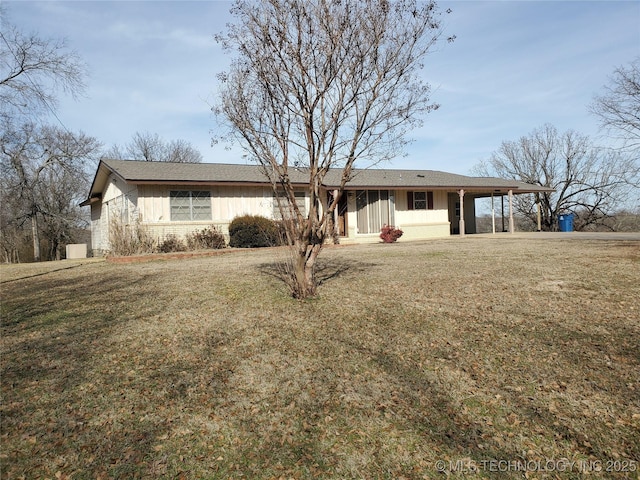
(539, 212)
(511, 229)
(493, 215)
(461, 226)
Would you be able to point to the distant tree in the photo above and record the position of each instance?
(34, 70)
(40, 165)
(181, 151)
(619, 108)
(44, 176)
(320, 85)
(152, 148)
(147, 146)
(588, 181)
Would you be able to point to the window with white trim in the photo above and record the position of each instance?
(301, 202)
(187, 205)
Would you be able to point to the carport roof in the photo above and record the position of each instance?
(141, 172)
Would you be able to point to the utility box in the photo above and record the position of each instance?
(76, 250)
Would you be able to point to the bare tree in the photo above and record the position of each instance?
(44, 177)
(146, 146)
(181, 151)
(320, 85)
(152, 148)
(619, 108)
(588, 181)
(41, 166)
(33, 70)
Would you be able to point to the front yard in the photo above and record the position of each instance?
(496, 357)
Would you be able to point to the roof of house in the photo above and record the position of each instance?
(142, 172)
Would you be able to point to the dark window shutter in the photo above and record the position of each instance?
(410, 200)
(430, 200)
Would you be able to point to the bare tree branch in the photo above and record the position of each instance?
(152, 148)
(589, 181)
(34, 70)
(318, 85)
(619, 108)
(44, 177)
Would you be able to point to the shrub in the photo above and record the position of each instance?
(172, 243)
(250, 231)
(131, 239)
(206, 238)
(390, 234)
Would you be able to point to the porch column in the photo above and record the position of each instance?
(511, 226)
(461, 225)
(493, 215)
(335, 211)
(539, 212)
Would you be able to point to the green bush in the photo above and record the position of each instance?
(207, 238)
(249, 231)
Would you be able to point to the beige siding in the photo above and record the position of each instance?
(419, 224)
(226, 204)
(99, 231)
(415, 224)
(120, 200)
(151, 205)
(437, 216)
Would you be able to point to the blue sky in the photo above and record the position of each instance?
(514, 66)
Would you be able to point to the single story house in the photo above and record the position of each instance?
(178, 198)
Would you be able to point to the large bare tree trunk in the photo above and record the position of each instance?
(302, 278)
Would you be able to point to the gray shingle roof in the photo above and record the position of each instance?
(139, 171)
(220, 173)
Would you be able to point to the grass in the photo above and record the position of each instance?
(463, 351)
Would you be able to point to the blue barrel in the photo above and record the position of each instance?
(565, 222)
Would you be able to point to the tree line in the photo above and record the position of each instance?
(45, 169)
(592, 182)
(319, 85)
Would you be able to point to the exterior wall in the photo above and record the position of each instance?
(226, 204)
(469, 213)
(420, 224)
(150, 204)
(98, 231)
(118, 201)
(415, 224)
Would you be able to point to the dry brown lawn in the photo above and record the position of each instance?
(491, 357)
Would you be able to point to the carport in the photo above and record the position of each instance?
(462, 215)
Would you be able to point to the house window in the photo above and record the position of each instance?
(300, 202)
(375, 209)
(420, 200)
(190, 205)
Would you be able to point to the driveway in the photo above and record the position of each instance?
(624, 236)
